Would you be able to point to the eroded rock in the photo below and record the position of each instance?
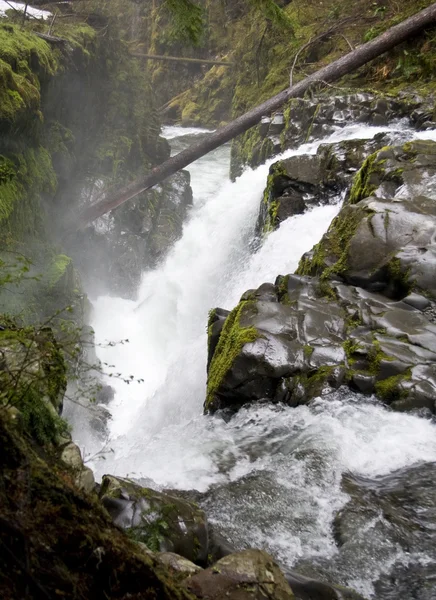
(246, 575)
(316, 336)
(303, 181)
(383, 238)
(163, 522)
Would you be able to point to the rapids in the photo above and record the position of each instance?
(271, 477)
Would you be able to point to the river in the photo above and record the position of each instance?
(272, 477)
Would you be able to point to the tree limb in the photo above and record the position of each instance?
(165, 58)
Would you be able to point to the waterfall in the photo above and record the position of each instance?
(250, 467)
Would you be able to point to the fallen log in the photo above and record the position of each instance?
(332, 72)
(199, 61)
(51, 39)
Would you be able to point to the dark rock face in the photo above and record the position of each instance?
(117, 247)
(305, 119)
(300, 182)
(317, 336)
(382, 239)
(401, 507)
(247, 575)
(163, 522)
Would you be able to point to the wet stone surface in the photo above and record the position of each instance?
(316, 337)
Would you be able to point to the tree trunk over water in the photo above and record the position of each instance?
(332, 72)
(199, 61)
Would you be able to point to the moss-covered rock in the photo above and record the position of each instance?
(233, 338)
(246, 575)
(384, 242)
(72, 546)
(310, 339)
(163, 522)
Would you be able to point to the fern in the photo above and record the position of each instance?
(188, 21)
(273, 13)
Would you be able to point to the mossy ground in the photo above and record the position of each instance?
(59, 542)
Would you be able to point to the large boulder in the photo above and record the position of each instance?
(303, 181)
(246, 575)
(383, 238)
(163, 522)
(304, 336)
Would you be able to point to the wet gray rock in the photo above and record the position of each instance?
(307, 119)
(316, 118)
(163, 522)
(401, 508)
(313, 337)
(177, 565)
(383, 238)
(246, 575)
(83, 476)
(306, 588)
(300, 182)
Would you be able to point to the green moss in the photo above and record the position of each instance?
(325, 290)
(399, 278)
(375, 356)
(333, 248)
(25, 59)
(313, 382)
(250, 149)
(367, 179)
(31, 174)
(351, 347)
(389, 390)
(210, 321)
(354, 321)
(270, 201)
(308, 351)
(39, 419)
(232, 339)
(57, 268)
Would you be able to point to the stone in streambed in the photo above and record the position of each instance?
(163, 522)
(246, 575)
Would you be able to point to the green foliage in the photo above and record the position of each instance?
(187, 20)
(33, 380)
(57, 268)
(271, 11)
(367, 179)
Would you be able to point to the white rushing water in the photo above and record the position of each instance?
(252, 465)
(20, 6)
